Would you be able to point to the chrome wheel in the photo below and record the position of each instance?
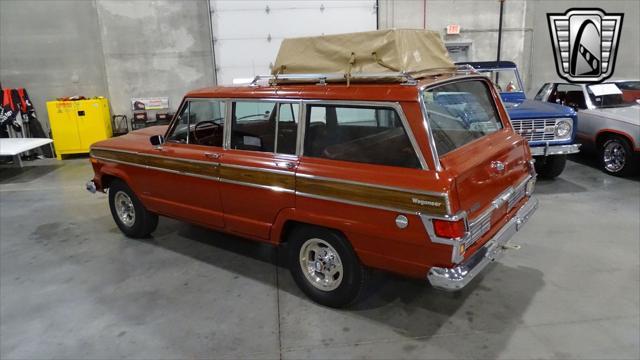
(124, 208)
(614, 156)
(321, 264)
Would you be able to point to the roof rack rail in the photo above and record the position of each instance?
(329, 77)
(322, 79)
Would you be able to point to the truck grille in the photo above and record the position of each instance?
(535, 129)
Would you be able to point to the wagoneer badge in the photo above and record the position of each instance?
(585, 43)
(426, 202)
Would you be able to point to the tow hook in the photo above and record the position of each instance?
(510, 246)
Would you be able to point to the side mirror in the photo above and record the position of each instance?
(156, 140)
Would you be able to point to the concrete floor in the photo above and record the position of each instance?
(72, 286)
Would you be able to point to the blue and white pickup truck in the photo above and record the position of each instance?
(549, 128)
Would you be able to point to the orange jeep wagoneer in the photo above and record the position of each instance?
(424, 178)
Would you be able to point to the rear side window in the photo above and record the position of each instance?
(361, 134)
(459, 113)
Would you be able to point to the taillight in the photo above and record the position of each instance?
(449, 229)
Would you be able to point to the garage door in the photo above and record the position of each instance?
(247, 34)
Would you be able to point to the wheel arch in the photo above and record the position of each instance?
(288, 219)
(108, 174)
(604, 134)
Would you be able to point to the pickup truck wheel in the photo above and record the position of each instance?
(128, 212)
(616, 157)
(551, 166)
(325, 266)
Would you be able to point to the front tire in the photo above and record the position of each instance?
(550, 167)
(325, 266)
(616, 157)
(133, 219)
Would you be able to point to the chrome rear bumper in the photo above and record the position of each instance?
(458, 277)
(91, 187)
(554, 149)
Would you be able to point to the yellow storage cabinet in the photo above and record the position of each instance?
(78, 124)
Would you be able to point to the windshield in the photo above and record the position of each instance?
(506, 80)
(459, 113)
(607, 95)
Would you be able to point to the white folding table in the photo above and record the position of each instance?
(16, 146)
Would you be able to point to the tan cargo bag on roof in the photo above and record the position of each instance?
(414, 52)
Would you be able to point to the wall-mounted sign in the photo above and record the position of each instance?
(155, 103)
(453, 29)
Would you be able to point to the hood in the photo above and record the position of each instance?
(136, 139)
(513, 96)
(628, 114)
(528, 109)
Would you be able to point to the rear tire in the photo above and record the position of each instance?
(325, 266)
(550, 167)
(133, 219)
(616, 157)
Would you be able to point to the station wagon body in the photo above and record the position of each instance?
(435, 196)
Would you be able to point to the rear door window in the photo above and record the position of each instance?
(373, 135)
(459, 113)
(265, 126)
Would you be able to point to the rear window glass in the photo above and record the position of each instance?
(459, 113)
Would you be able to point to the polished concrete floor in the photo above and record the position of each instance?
(72, 286)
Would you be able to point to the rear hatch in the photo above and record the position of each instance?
(478, 148)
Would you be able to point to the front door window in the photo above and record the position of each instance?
(201, 122)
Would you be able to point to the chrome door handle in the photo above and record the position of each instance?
(211, 155)
(287, 164)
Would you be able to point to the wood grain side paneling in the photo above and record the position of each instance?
(394, 199)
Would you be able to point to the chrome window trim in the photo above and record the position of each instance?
(302, 120)
(278, 102)
(378, 104)
(226, 135)
(302, 126)
(427, 123)
(184, 103)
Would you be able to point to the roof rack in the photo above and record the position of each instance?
(323, 79)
